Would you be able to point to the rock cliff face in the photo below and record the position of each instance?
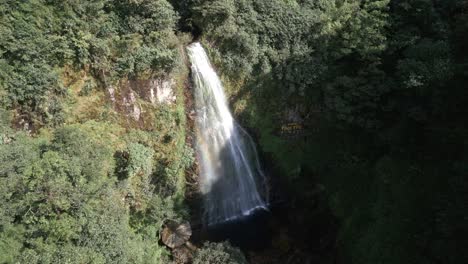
(164, 91)
(128, 95)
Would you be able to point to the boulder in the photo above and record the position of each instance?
(175, 234)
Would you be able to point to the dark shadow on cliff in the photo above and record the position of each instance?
(291, 228)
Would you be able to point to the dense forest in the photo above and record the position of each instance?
(92, 168)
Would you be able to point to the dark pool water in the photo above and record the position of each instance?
(250, 232)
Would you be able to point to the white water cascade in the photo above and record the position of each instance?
(231, 179)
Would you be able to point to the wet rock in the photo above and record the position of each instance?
(128, 96)
(129, 104)
(182, 255)
(175, 234)
(293, 115)
(156, 91)
(136, 112)
(192, 115)
(164, 91)
(111, 91)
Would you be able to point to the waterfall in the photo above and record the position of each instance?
(231, 180)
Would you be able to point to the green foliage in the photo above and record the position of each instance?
(61, 202)
(113, 39)
(5, 129)
(140, 160)
(92, 192)
(219, 253)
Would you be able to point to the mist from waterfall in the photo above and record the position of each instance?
(231, 180)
